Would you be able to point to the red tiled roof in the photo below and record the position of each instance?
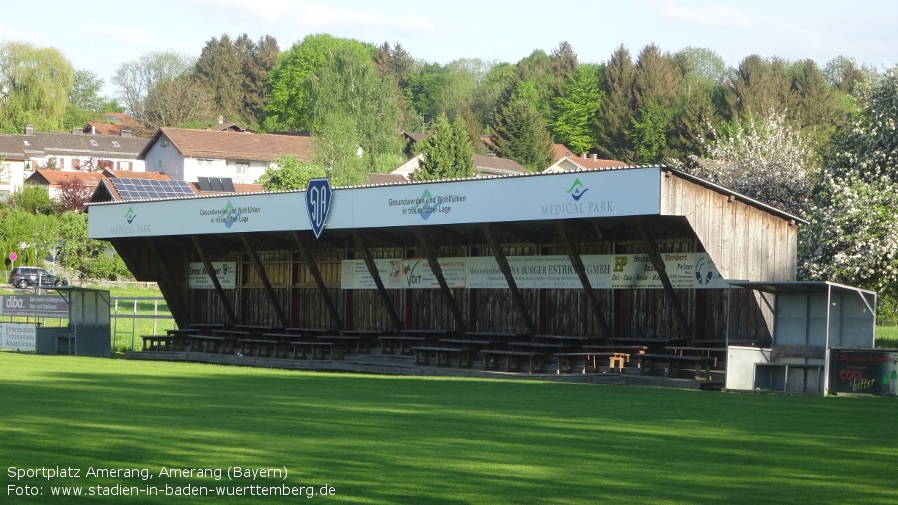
(56, 177)
(234, 145)
(386, 178)
(127, 174)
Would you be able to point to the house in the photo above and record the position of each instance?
(77, 151)
(54, 180)
(567, 162)
(12, 167)
(484, 165)
(186, 155)
(113, 123)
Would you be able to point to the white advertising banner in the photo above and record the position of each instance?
(18, 336)
(606, 271)
(611, 193)
(225, 271)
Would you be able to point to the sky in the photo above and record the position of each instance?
(101, 35)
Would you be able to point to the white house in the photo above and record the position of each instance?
(186, 155)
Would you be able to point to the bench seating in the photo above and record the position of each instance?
(316, 350)
(256, 347)
(590, 360)
(675, 364)
(442, 356)
(513, 360)
(163, 342)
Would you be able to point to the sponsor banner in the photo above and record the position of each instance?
(33, 306)
(612, 193)
(621, 271)
(870, 372)
(18, 336)
(225, 271)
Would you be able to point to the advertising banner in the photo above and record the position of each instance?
(33, 306)
(621, 271)
(864, 371)
(225, 271)
(18, 336)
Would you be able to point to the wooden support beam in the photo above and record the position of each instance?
(372, 269)
(509, 278)
(438, 273)
(316, 274)
(658, 263)
(577, 263)
(269, 291)
(176, 304)
(222, 297)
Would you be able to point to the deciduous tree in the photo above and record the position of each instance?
(37, 81)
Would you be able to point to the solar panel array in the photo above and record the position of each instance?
(144, 189)
(219, 184)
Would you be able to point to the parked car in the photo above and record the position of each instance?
(23, 277)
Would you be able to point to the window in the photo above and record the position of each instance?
(115, 144)
(4, 173)
(94, 143)
(76, 164)
(124, 165)
(164, 141)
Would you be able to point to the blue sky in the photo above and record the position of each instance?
(100, 35)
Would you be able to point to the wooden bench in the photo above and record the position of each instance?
(316, 350)
(512, 360)
(161, 342)
(674, 364)
(255, 347)
(207, 343)
(442, 356)
(590, 360)
(389, 343)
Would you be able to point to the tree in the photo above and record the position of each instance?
(852, 236)
(520, 134)
(289, 173)
(576, 109)
(37, 81)
(758, 87)
(347, 86)
(447, 152)
(649, 133)
(73, 195)
(177, 102)
(84, 101)
(92, 259)
(137, 78)
(32, 199)
(289, 102)
(617, 107)
(219, 69)
(770, 161)
(236, 71)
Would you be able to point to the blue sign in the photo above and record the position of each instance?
(318, 203)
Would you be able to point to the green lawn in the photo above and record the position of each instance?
(388, 440)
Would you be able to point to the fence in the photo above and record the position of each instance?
(133, 316)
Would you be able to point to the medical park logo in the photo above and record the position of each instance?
(577, 190)
(130, 216)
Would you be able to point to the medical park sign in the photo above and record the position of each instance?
(613, 193)
(607, 271)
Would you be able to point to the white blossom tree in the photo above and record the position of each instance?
(769, 160)
(853, 232)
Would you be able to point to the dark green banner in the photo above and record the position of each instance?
(868, 371)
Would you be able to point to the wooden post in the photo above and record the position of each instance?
(372, 269)
(222, 297)
(509, 278)
(444, 286)
(316, 274)
(658, 263)
(272, 296)
(577, 263)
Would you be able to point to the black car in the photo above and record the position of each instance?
(29, 276)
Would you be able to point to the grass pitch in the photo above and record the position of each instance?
(388, 440)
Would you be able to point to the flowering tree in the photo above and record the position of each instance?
(770, 161)
(853, 235)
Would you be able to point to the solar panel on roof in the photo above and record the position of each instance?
(217, 184)
(147, 189)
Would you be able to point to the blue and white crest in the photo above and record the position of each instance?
(318, 203)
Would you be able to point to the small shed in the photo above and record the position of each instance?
(809, 319)
(88, 331)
